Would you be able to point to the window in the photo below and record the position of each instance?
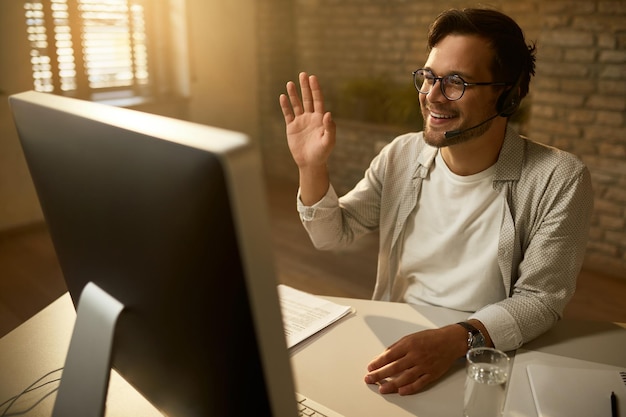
(88, 48)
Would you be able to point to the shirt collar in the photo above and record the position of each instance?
(511, 158)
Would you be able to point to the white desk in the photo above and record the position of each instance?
(329, 367)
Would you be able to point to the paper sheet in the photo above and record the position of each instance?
(305, 314)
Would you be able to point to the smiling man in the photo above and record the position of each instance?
(471, 215)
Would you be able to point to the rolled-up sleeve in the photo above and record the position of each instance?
(502, 327)
(326, 205)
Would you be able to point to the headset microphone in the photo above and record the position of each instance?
(454, 133)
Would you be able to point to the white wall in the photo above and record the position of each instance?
(224, 64)
(222, 88)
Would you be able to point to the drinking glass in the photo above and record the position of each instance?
(486, 382)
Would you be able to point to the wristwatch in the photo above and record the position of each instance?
(475, 338)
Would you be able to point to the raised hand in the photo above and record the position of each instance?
(310, 135)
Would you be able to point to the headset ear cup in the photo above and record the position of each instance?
(510, 99)
(508, 102)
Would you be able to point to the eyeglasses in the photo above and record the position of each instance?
(452, 86)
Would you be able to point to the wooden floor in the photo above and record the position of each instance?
(30, 277)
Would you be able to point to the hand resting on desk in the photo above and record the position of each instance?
(418, 359)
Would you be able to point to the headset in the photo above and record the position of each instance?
(507, 104)
(509, 101)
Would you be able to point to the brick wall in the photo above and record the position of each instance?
(277, 63)
(577, 100)
(579, 105)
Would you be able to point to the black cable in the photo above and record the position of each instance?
(32, 387)
(30, 390)
(19, 413)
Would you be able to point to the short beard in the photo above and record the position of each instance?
(439, 140)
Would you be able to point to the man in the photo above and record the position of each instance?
(471, 215)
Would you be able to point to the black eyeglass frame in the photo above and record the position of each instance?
(442, 83)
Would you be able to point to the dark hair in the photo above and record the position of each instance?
(513, 58)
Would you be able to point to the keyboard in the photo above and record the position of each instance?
(309, 408)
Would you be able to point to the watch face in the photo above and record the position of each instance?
(478, 340)
(475, 338)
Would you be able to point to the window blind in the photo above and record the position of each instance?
(87, 45)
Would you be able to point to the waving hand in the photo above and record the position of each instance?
(310, 135)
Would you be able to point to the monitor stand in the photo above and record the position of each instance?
(85, 378)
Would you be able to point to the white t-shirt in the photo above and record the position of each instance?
(450, 248)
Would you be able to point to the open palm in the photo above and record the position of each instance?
(310, 130)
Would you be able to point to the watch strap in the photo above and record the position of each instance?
(468, 327)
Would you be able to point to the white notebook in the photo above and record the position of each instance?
(571, 392)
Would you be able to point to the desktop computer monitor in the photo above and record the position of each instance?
(161, 230)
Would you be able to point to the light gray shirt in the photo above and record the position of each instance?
(549, 201)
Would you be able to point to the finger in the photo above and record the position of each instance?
(307, 96)
(285, 106)
(387, 387)
(329, 125)
(294, 99)
(316, 94)
(385, 358)
(390, 370)
(415, 386)
(406, 383)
